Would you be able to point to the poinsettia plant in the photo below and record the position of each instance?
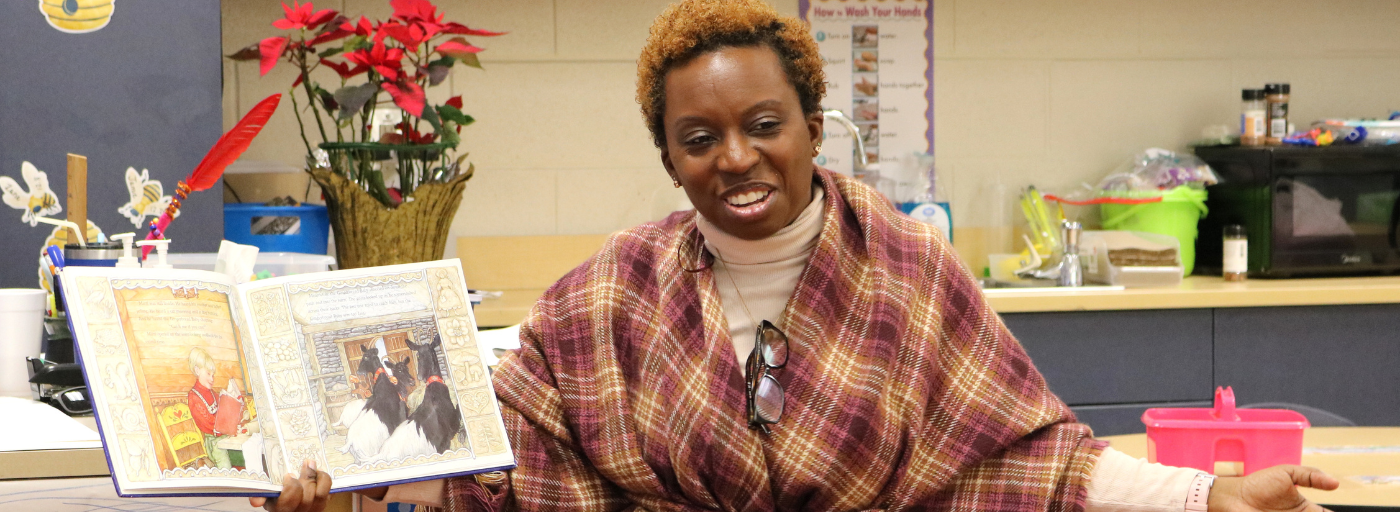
(415, 48)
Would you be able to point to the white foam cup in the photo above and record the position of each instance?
(21, 328)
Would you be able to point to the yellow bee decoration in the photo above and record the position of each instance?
(146, 198)
(37, 202)
(77, 16)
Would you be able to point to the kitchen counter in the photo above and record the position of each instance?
(1195, 292)
(1204, 292)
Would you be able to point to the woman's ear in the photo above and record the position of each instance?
(670, 166)
(816, 123)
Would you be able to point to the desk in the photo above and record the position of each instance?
(1343, 467)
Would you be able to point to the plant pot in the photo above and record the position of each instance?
(369, 234)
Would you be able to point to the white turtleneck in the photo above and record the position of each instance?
(756, 278)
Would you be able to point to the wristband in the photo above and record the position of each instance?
(1198, 495)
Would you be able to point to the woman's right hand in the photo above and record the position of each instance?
(307, 493)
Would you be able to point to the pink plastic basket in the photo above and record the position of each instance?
(1199, 438)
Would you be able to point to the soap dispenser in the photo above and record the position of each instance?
(161, 246)
(1071, 274)
(127, 259)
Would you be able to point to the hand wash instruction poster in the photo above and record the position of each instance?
(878, 58)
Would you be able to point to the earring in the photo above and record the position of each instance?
(817, 150)
(675, 182)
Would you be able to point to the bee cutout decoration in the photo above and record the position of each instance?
(146, 198)
(37, 202)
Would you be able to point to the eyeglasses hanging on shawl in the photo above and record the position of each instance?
(207, 173)
(765, 394)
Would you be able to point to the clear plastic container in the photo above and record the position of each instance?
(1247, 439)
(277, 263)
(1104, 254)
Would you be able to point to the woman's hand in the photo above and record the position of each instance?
(1270, 490)
(305, 494)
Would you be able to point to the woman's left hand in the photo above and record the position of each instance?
(305, 493)
(1270, 490)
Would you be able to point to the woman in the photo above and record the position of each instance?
(792, 344)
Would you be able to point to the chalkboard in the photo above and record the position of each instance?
(144, 91)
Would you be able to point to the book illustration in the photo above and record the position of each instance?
(289, 388)
(270, 312)
(128, 419)
(107, 340)
(449, 297)
(179, 364)
(207, 387)
(97, 299)
(138, 457)
(457, 332)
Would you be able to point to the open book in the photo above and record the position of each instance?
(204, 387)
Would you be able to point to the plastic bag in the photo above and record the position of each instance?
(1144, 179)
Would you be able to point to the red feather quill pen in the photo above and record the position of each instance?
(207, 173)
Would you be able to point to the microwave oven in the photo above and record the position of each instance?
(1308, 211)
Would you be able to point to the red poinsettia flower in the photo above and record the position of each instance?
(457, 47)
(363, 27)
(410, 35)
(302, 16)
(415, 10)
(343, 69)
(455, 102)
(269, 52)
(453, 27)
(408, 95)
(332, 31)
(386, 61)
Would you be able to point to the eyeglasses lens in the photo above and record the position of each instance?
(768, 400)
(774, 345)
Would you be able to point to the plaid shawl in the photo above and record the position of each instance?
(904, 389)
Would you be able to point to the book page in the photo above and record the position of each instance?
(376, 374)
(161, 349)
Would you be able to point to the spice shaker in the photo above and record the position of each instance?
(1253, 117)
(1235, 260)
(1276, 103)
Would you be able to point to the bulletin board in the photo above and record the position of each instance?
(878, 57)
(140, 87)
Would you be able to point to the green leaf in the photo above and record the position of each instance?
(431, 116)
(436, 74)
(330, 52)
(449, 134)
(354, 43)
(327, 99)
(452, 114)
(353, 98)
(445, 61)
(471, 60)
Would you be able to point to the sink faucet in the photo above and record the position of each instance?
(861, 163)
(1068, 271)
(1071, 274)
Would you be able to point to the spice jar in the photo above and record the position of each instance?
(1235, 260)
(1253, 117)
(1276, 103)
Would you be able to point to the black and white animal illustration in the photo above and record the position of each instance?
(432, 425)
(381, 413)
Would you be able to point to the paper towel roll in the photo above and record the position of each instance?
(21, 327)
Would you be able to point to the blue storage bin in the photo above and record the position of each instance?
(310, 238)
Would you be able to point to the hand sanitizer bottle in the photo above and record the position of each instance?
(929, 207)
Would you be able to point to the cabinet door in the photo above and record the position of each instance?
(1343, 359)
(1116, 357)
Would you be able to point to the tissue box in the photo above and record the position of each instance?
(1131, 259)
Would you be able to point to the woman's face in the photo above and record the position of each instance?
(737, 140)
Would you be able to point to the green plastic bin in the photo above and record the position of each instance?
(1176, 215)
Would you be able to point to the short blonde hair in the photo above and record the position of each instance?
(690, 28)
(201, 359)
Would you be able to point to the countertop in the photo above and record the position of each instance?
(1193, 292)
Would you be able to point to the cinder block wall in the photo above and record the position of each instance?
(1051, 93)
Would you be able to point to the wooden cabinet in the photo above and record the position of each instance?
(1110, 366)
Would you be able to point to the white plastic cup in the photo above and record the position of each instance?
(21, 331)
